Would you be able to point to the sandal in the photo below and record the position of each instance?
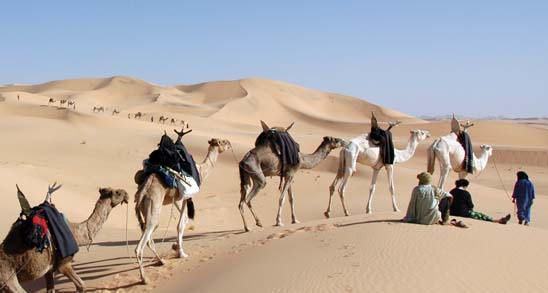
(459, 224)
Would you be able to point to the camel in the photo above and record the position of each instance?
(139, 115)
(98, 109)
(51, 101)
(262, 161)
(20, 263)
(451, 156)
(152, 193)
(72, 103)
(360, 150)
(62, 102)
(109, 198)
(115, 112)
(172, 121)
(162, 119)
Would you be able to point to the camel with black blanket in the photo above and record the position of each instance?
(267, 159)
(153, 193)
(454, 151)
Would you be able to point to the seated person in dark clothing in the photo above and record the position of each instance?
(463, 206)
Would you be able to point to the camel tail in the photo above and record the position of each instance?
(431, 158)
(139, 195)
(190, 211)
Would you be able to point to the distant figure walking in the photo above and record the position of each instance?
(523, 196)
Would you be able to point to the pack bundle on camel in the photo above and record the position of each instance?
(361, 150)
(39, 243)
(157, 188)
(267, 159)
(454, 151)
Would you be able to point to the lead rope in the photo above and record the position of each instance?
(127, 241)
(504, 186)
(15, 273)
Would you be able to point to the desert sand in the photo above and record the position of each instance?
(84, 150)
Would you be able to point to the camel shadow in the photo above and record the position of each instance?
(389, 221)
(158, 240)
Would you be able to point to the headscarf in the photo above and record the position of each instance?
(522, 175)
(424, 178)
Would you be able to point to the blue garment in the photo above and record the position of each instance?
(524, 193)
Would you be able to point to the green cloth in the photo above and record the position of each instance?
(423, 206)
(479, 216)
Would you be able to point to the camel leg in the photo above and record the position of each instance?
(259, 182)
(12, 285)
(243, 193)
(152, 246)
(445, 166)
(372, 190)
(67, 270)
(331, 191)
(50, 282)
(151, 222)
(342, 189)
(287, 184)
(181, 228)
(390, 174)
(292, 203)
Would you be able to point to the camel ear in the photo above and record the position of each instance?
(265, 127)
(289, 127)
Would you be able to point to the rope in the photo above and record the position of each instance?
(500, 179)
(15, 273)
(127, 241)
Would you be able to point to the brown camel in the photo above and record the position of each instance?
(20, 263)
(262, 161)
(152, 193)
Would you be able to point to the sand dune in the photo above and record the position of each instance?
(85, 151)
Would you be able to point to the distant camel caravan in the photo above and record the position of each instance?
(262, 161)
(152, 193)
(448, 150)
(19, 263)
(361, 150)
(98, 109)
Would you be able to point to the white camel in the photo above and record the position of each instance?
(360, 150)
(451, 155)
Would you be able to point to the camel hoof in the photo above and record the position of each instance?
(182, 254)
(259, 224)
(246, 229)
(279, 224)
(396, 210)
(144, 281)
(369, 212)
(326, 214)
(160, 262)
(346, 214)
(295, 221)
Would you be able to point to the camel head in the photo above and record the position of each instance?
(420, 134)
(116, 196)
(487, 149)
(333, 142)
(277, 128)
(222, 144)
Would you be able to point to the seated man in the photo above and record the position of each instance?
(428, 204)
(462, 205)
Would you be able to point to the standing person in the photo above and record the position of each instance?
(524, 193)
(429, 204)
(463, 206)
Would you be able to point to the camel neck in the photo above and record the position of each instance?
(85, 231)
(310, 161)
(209, 162)
(407, 153)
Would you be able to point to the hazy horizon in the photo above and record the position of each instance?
(486, 58)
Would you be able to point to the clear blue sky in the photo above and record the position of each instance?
(419, 57)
